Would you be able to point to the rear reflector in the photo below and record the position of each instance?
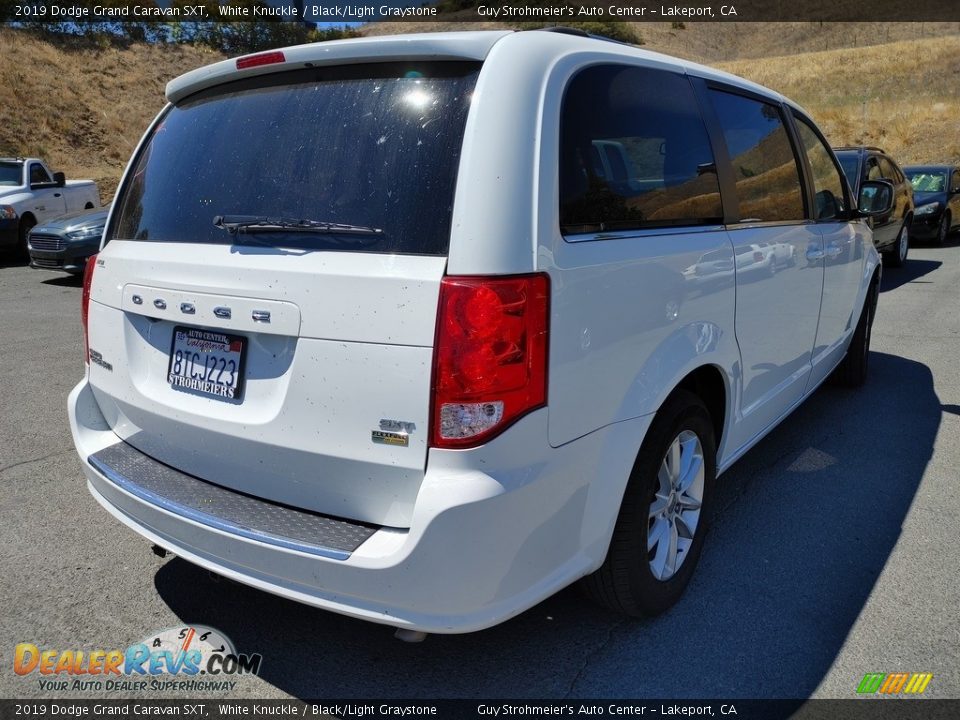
(490, 356)
(267, 58)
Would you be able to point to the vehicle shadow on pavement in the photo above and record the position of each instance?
(65, 280)
(803, 526)
(9, 260)
(911, 271)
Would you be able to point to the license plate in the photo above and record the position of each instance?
(207, 362)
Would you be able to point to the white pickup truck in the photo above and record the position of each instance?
(30, 194)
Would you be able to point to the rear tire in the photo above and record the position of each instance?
(659, 507)
(852, 370)
(898, 255)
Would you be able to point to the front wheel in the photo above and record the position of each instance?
(898, 255)
(662, 522)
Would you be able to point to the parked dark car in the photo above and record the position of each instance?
(936, 191)
(66, 243)
(891, 232)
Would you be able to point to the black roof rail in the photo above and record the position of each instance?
(861, 147)
(565, 30)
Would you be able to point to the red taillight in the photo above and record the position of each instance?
(267, 58)
(490, 356)
(85, 303)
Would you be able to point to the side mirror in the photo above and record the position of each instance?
(876, 198)
(60, 179)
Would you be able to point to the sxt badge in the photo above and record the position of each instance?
(393, 432)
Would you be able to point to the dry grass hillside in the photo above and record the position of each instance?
(716, 42)
(712, 42)
(84, 108)
(902, 96)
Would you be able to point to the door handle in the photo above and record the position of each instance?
(56, 194)
(815, 254)
(834, 251)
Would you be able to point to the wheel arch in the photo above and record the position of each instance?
(705, 383)
(708, 383)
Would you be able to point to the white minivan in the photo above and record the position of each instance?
(421, 329)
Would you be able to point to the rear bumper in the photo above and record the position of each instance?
(483, 545)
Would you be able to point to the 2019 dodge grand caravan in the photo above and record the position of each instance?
(405, 327)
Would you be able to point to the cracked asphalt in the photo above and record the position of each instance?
(833, 550)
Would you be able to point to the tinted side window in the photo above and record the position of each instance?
(38, 174)
(827, 180)
(888, 171)
(955, 181)
(634, 153)
(873, 169)
(764, 166)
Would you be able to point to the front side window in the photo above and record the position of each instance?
(764, 166)
(38, 174)
(827, 181)
(358, 158)
(634, 153)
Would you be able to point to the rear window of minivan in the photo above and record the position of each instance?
(373, 147)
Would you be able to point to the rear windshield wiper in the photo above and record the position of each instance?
(235, 224)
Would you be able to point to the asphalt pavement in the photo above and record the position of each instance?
(833, 551)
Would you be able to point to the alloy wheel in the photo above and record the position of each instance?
(675, 511)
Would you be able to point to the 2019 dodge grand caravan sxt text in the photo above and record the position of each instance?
(405, 327)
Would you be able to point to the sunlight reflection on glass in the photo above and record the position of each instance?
(418, 98)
